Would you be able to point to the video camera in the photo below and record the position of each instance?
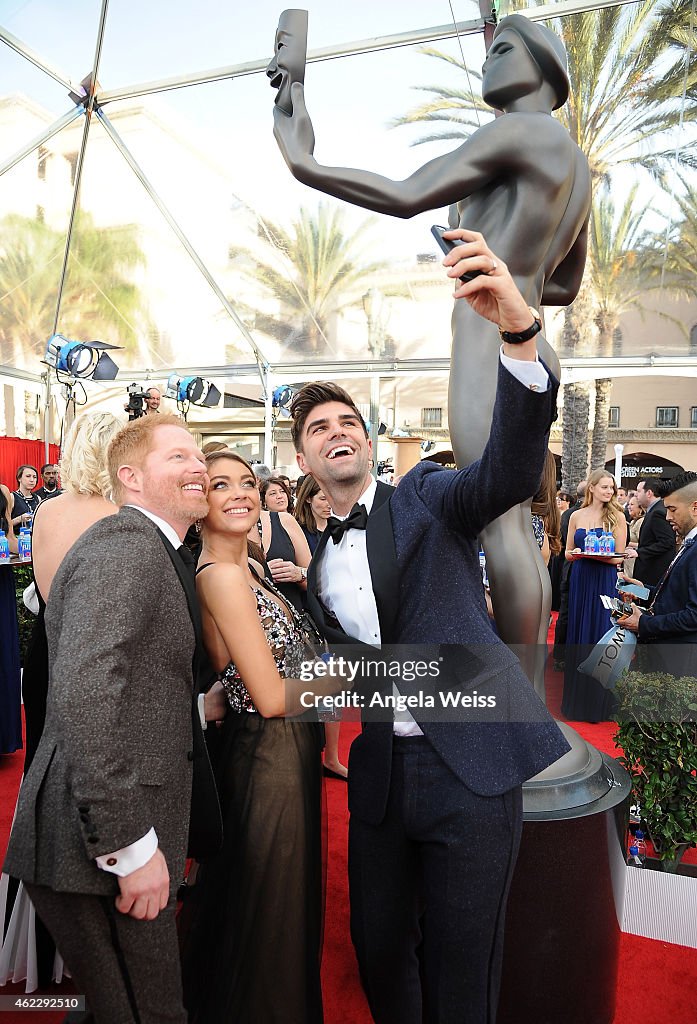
(134, 406)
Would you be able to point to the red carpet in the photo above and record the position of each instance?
(657, 981)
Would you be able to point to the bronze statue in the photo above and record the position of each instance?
(524, 184)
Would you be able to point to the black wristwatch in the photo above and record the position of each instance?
(518, 338)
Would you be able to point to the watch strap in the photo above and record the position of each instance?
(518, 337)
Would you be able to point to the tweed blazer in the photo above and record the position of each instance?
(422, 544)
(116, 755)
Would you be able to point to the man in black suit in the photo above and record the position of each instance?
(671, 618)
(49, 476)
(656, 540)
(435, 805)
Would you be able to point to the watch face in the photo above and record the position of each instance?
(535, 313)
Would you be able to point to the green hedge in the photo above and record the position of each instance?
(23, 577)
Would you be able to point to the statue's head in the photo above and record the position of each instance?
(290, 52)
(504, 71)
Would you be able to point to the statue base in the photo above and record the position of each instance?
(561, 946)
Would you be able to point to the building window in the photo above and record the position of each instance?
(431, 417)
(693, 340)
(667, 416)
(693, 417)
(613, 416)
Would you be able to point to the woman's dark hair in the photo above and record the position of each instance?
(254, 551)
(4, 511)
(20, 470)
(303, 508)
(544, 504)
(275, 481)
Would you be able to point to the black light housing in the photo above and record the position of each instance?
(83, 359)
(194, 390)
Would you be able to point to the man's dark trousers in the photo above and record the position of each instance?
(461, 849)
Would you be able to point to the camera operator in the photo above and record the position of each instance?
(137, 404)
(152, 400)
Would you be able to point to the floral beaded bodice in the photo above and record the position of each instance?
(282, 634)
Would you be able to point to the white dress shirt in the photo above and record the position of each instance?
(344, 583)
(130, 858)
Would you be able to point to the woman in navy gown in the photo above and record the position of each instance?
(585, 700)
(10, 678)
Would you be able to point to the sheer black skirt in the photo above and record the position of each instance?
(252, 931)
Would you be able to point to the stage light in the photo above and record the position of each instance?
(194, 390)
(80, 358)
(281, 399)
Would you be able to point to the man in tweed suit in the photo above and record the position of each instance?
(100, 834)
(435, 804)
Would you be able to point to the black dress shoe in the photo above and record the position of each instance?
(329, 774)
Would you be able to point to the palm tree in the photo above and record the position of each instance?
(99, 298)
(321, 270)
(678, 251)
(626, 265)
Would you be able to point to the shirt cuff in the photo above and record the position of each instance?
(124, 862)
(532, 375)
(202, 710)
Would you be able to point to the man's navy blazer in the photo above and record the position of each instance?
(674, 618)
(422, 544)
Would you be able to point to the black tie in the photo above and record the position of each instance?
(357, 519)
(187, 558)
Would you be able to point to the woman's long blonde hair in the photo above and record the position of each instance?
(613, 513)
(83, 461)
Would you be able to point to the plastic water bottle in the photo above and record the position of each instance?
(593, 543)
(634, 860)
(610, 544)
(602, 543)
(640, 843)
(24, 545)
(4, 549)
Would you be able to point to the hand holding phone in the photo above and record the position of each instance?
(447, 245)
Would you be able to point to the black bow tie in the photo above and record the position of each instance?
(357, 519)
(187, 558)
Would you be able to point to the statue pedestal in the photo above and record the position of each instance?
(564, 913)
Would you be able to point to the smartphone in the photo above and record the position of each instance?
(616, 607)
(632, 588)
(447, 244)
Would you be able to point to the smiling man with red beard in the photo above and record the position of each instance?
(100, 835)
